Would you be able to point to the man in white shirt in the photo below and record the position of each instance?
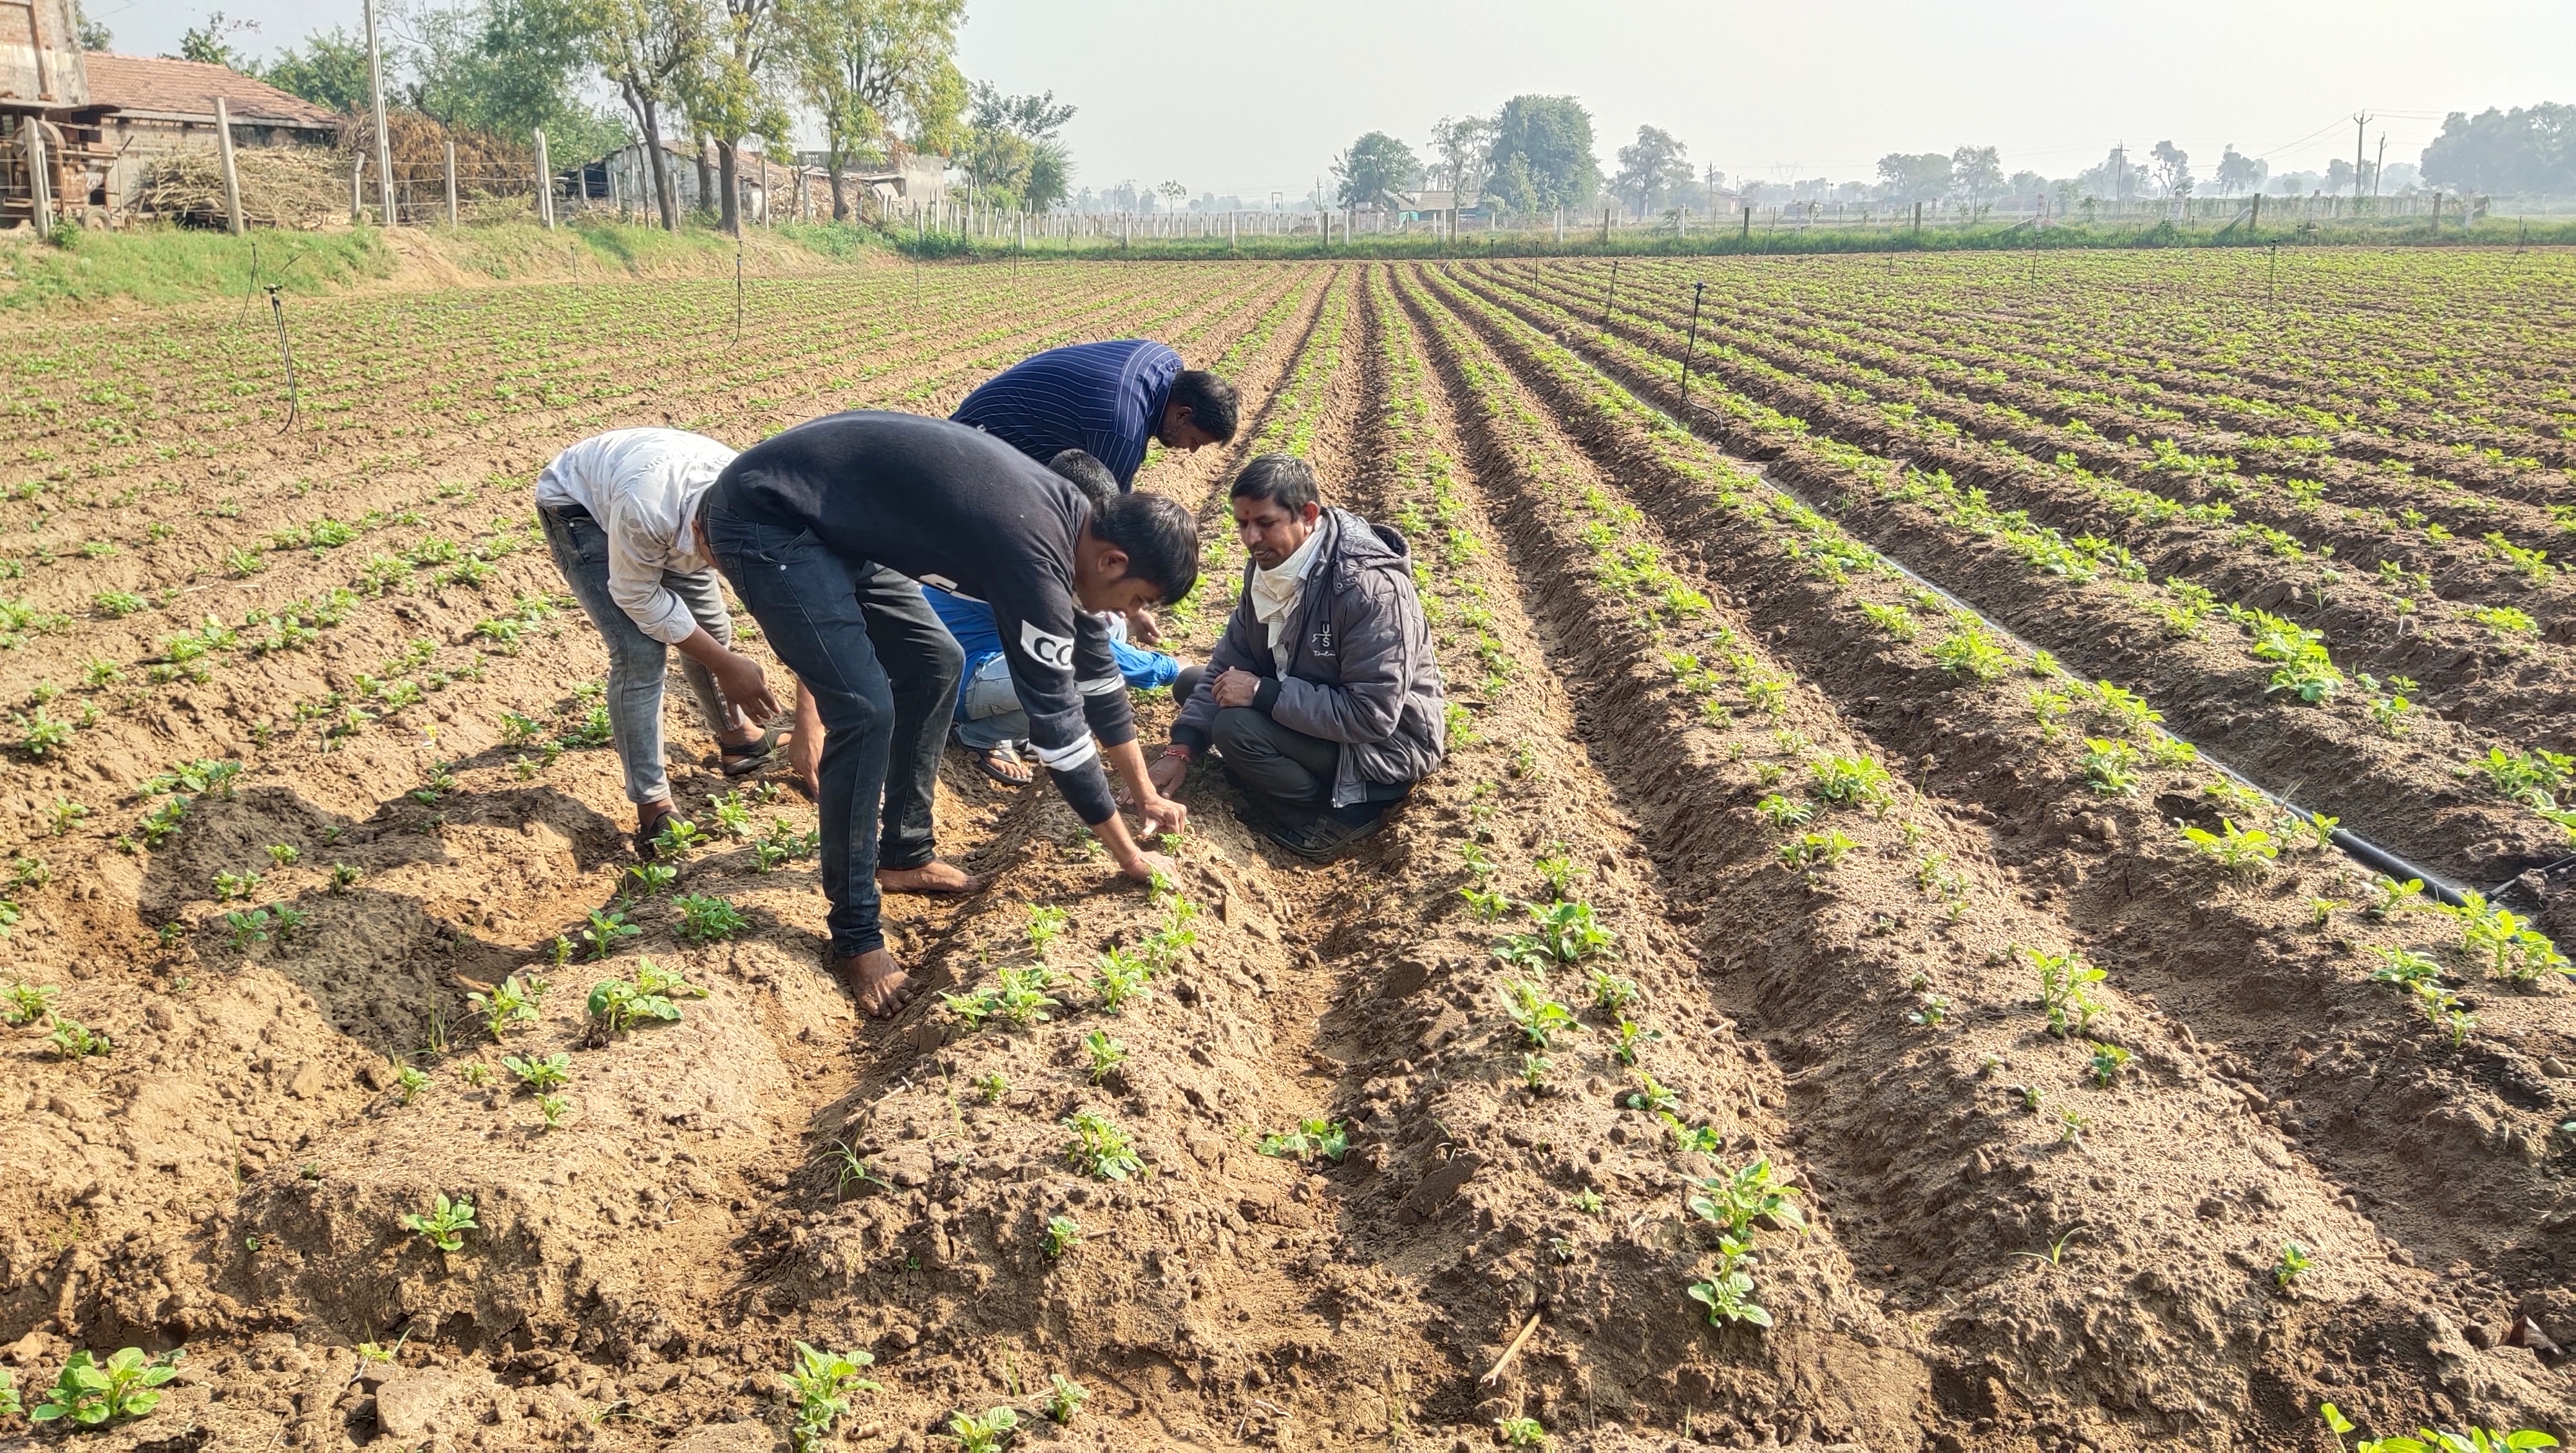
(619, 512)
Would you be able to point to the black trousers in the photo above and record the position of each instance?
(1283, 770)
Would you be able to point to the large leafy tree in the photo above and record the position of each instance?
(2527, 149)
(1375, 168)
(1913, 176)
(508, 67)
(2238, 172)
(1542, 154)
(1976, 173)
(1462, 149)
(643, 47)
(734, 93)
(329, 70)
(1006, 137)
(1656, 166)
(2173, 169)
(874, 70)
(211, 43)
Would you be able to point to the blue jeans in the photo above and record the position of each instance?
(989, 714)
(638, 664)
(883, 671)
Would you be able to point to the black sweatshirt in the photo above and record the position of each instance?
(958, 508)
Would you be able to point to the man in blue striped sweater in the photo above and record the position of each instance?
(1109, 401)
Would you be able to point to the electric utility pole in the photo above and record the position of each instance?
(376, 98)
(2379, 166)
(2360, 121)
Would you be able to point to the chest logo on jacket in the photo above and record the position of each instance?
(1321, 642)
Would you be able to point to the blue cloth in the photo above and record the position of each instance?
(971, 622)
(1105, 399)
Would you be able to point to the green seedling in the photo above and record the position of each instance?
(1931, 1013)
(1786, 811)
(549, 1073)
(2071, 1128)
(1852, 782)
(1487, 904)
(2321, 911)
(1651, 1096)
(1627, 1036)
(1520, 1432)
(2404, 966)
(1538, 1016)
(1477, 863)
(1330, 1139)
(411, 1080)
(706, 918)
(984, 1434)
(1734, 1201)
(605, 930)
(1534, 1069)
(678, 838)
(73, 1040)
(1814, 851)
(618, 1005)
(477, 1074)
(1562, 933)
(553, 1108)
(89, 1393)
(1065, 1398)
(652, 878)
(1693, 1139)
(1100, 1148)
(733, 817)
(992, 1087)
(2246, 853)
(1047, 923)
(819, 1384)
(2294, 1260)
(505, 1008)
(1556, 870)
(1727, 1295)
(1121, 977)
(2106, 1062)
(847, 1166)
(1106, 1054)
(62, 815)
(2442, 1010)
(343, 877)
(2110, 766)
(974, 1006)
(2396, 897)
(1589, 1202)
(1063, 1233)
(285, 855)
(2063, 981)
(1021, 996)
(446, 1224)
(229, 886)
(22, 1003)
(1613, 993)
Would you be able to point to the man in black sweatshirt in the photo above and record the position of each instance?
(824, 531)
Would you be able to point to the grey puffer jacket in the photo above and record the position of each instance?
(1360, 670)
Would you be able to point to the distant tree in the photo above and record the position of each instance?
(1462, 150)
(2527, 149)
(872, 69)
(2338, 177)
(1916, 177)
(1976, 173)
(738, 92)
(2173, 169)
(2239, 173)
(91, 34)
(2116, 178)
(1542, 154)
(643, 47)
(1375, 168)
(1050, 174)
(1171, 192)
(211, 43)
(1004, 135)
(1656, 165)
(330, 70)
(507, 67)
(2026, 184)
(1038, 118)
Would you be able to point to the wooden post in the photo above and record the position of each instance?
(2256, 225)
(40, 178)
(376, 98)
(545, 184)
(1689, 404)
(1745, 233)
(1610, 296)
(357, 198)
(232, 174)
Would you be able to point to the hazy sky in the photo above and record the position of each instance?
(1255, 98)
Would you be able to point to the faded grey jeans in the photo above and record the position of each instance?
(638, 664)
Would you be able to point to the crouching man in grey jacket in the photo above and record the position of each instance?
(1322, 700)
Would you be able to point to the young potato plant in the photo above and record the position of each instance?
(74, 1040)
(1627, 1036)
(708, 918)
(1563, 933)
(1520, 1432)
(819, 1385)
(1853, 782)
(2241, 852)
(2106, 1062)
(1815, 852)
(1538, 1017)
(551, 1073)
(618, 1005)
(1100, 1148)
(2431, 1440)
(2294, 1261)
(89, 1393)
(984, 1433)
(1330, 1139)
(22, 1003)
(1106, 1054)
(446, 1224)
(2063, 981)
(1121, 977)
(510, 1006)
(1063, 1233)
(605, 931)
(1020, 995)
(1065, 1398)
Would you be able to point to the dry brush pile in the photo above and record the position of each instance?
(1809, 1005)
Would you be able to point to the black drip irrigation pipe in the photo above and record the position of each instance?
(2360, 849)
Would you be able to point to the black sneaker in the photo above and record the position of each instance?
(1325, 837)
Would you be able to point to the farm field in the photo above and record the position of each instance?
(1853, 981)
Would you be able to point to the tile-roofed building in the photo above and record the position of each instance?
(107, 117)
(185, 91)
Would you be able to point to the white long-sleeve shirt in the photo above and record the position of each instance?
(643, 487)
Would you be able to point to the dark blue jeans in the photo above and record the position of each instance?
(883, 671)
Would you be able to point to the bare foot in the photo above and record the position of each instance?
(874, 979)
(931, 877)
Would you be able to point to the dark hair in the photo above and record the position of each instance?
(1160, 538)
(1088, 475)
(1283, 479)
(1209, 399)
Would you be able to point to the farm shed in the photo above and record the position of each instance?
(110, 117)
